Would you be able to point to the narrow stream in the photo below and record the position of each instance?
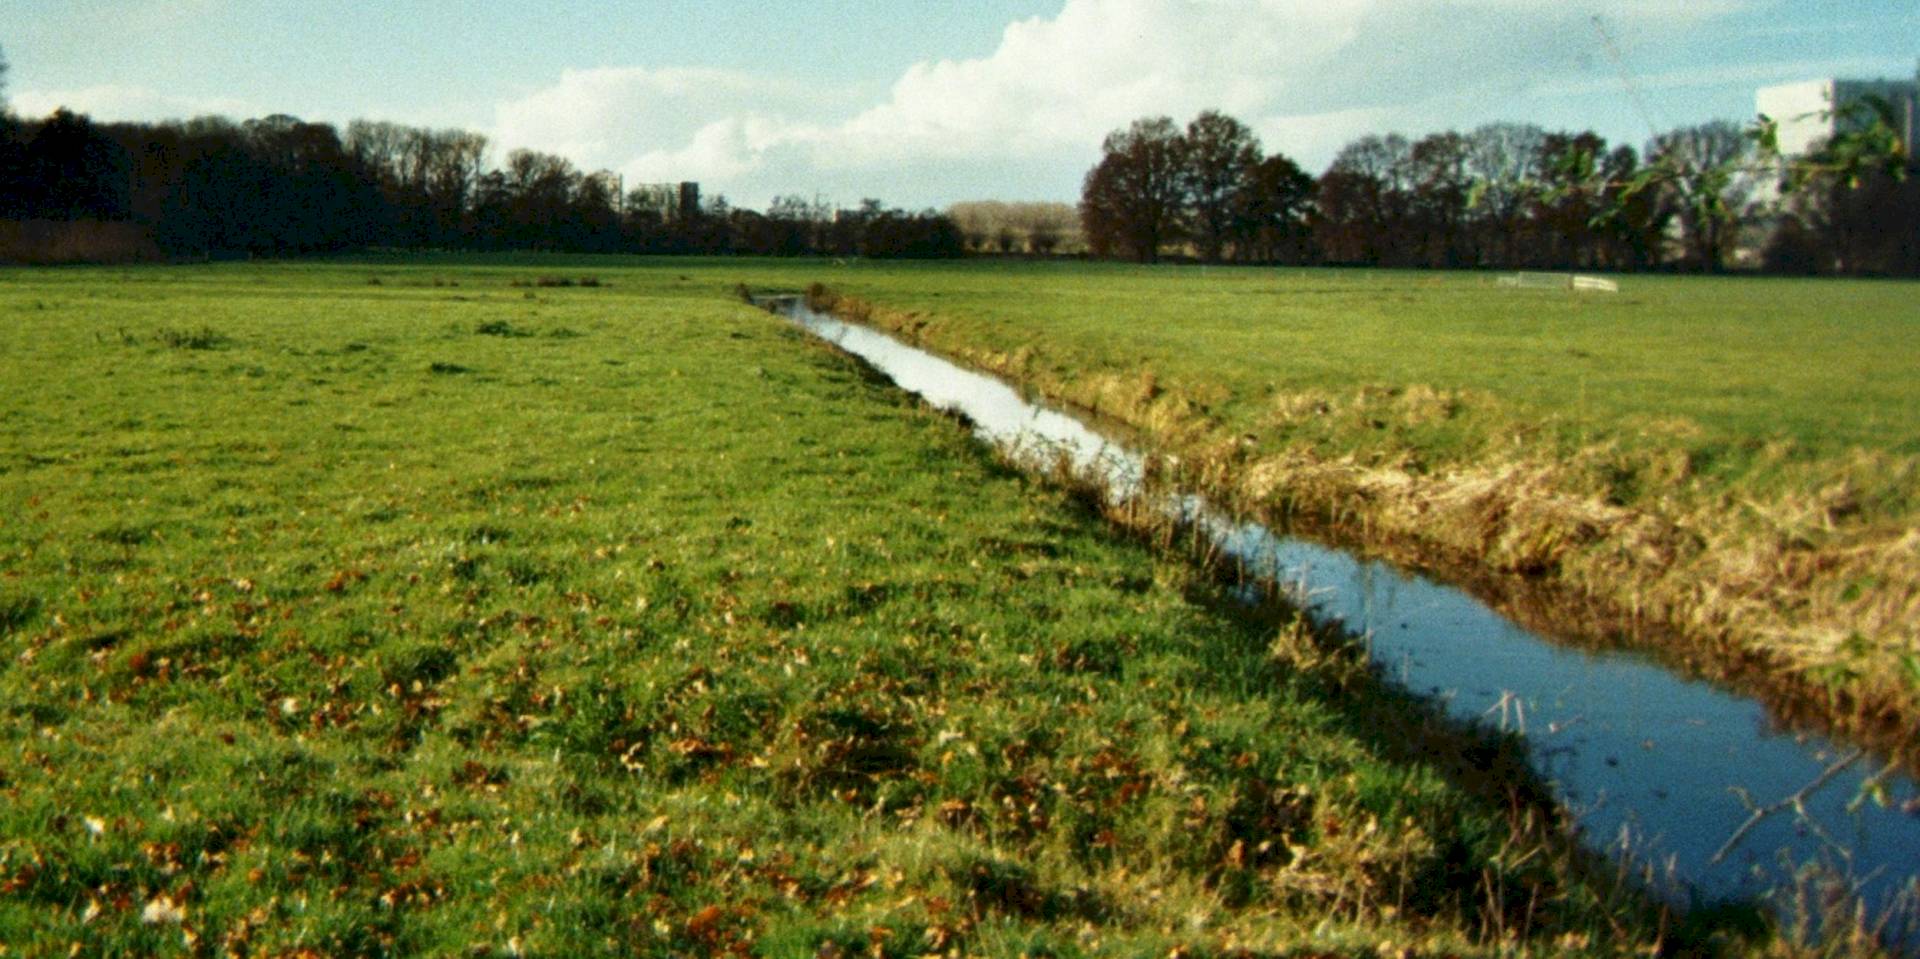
(1667, 767)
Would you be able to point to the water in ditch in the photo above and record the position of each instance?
(1669, 768)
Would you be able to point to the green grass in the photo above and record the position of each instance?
(445, 615)
(1824, 364)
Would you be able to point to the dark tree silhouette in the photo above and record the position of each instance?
(75, 171)
(1133, 199)
(1220, 154)
(1362, 202)
(1867, 223)
(1437, 207)
(1274, 211)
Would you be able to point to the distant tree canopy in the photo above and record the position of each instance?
(278, 186)
(1209, 185)
(1508, 195)
(993, 226)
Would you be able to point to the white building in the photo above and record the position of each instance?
(1805, 110)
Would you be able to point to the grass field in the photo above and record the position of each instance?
(1737, 459)
(395, 608)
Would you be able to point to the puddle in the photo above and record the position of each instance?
(1668, 767)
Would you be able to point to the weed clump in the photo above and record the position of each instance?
(197, 338)
(502, 328)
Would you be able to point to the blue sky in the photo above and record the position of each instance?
(923, 103)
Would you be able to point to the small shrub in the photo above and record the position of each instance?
(450, 369)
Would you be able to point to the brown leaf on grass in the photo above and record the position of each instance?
(344, 578)
(703, 922)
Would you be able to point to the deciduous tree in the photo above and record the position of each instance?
(1703, 175)
(1133, 199)
(1275, 209)
(1362, 201)
(1219, 154)
(1437, 203)
(1503, 161)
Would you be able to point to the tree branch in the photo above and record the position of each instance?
(1793, 801)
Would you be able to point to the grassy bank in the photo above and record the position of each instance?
(476, 609)
(1729, 460)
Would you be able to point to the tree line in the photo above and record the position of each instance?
(1511, 195)
(1505, 194)
(278, 186)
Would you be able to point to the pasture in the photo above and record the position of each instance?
(465, 607)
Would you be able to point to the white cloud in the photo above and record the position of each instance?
(1064, 83)
(111, 102)
(1308, 74)
(609, 116)
(728, 149)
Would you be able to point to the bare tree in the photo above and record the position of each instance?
(1703, 174)
(1503, 160)
(1046, 225)
(1036, 227)
(1361, 203)
(978, 220)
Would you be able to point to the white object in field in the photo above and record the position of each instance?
(1558, 281)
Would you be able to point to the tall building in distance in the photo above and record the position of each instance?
(1806, 113)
